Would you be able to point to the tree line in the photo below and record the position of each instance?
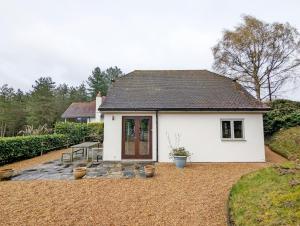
(46, 101)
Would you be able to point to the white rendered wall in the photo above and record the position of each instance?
(200, 133)
(113, 135)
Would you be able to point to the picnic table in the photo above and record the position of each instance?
(84, 146)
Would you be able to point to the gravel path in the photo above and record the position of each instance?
(274, 157)
(193, 196)
(196, 195)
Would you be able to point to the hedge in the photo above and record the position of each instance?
(79, 132)
(23, 147)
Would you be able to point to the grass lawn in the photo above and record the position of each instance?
(267, 197)
(286, 143)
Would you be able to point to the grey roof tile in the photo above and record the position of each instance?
(178, 90)
(80, 110)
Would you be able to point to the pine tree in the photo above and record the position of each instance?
(100, 81)
(41, 105)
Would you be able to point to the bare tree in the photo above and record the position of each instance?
(261, 56)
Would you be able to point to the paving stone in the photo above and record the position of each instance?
(128, 174)
(56, 170)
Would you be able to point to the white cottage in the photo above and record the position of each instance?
(216, 119)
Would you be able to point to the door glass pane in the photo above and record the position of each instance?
(226, 133)
(129, 137)
(238, 129)
(144, 144)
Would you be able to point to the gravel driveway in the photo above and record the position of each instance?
(194, 196)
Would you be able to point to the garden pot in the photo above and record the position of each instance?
(180, 161)
(6, 174)
(149, 170)
(79, 172)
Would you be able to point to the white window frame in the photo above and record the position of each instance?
(232, 129)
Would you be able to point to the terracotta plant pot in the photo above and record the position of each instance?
(149, 170)
(6, 174)
(79, 172)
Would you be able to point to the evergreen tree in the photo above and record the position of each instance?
(41, 105)
(97, 82)
(101, 80)
(79, 94)
(12, 111)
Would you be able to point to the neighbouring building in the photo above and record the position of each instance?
(85, 111)
(214, 117)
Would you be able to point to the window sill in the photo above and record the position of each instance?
(224, 139)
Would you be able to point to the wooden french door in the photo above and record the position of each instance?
(136, 137)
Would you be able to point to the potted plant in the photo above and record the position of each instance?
(79, 172)
(179, 155)
(149, 170)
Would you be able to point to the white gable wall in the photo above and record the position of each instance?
(200, 133)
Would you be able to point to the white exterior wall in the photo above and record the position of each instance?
(200, 133)
(113, 135)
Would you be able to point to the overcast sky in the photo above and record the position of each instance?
(67, 39)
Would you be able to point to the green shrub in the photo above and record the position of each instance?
(284, 114)
(23, 147)
(96, 131)
(79, 132)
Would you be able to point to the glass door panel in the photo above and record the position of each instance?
(144, 130)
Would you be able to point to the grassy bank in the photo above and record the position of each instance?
(270, 196)
(286, 142)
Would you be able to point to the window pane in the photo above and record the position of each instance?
(129, 136)
(226, 129)
(238, 129)
(144, 144)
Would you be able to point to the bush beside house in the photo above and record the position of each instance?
(283, 114)
(79, 132)
(23, 147)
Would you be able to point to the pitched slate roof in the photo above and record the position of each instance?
(81, 110)
(188, 90)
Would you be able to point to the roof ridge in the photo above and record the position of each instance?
(83, 102)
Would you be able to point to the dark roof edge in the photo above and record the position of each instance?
(186, 109)
(72, 117)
